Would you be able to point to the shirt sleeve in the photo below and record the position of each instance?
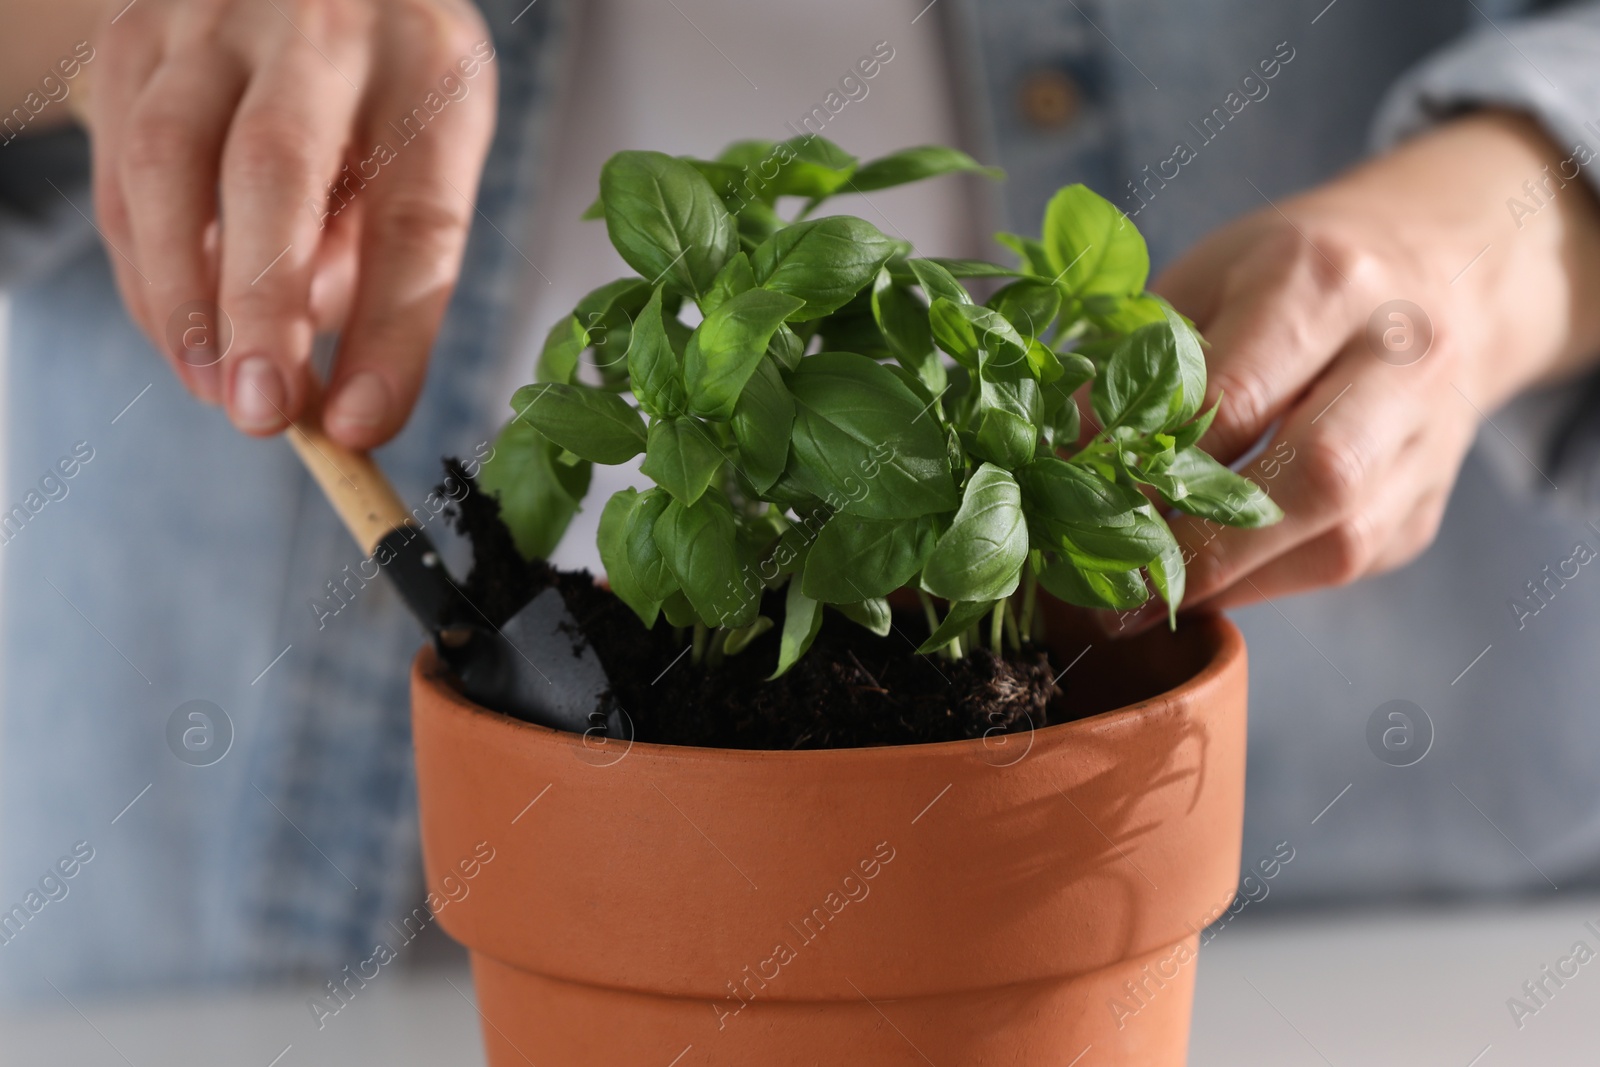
(1547, 66)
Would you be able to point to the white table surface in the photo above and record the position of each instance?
(1414, 988)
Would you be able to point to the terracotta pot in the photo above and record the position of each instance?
(1010, 900)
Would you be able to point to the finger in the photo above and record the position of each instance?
(169, 170)
(414, 230)
(1283, 314)
(1415, 533)
(333, 279)
(1193, 284)
(286, 142)
(1441, 453)
(1334, 453)
(130, 54)
(1380, 536)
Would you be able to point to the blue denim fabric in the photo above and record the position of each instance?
(181, 561)
(180, 564)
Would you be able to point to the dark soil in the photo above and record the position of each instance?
(851, 689)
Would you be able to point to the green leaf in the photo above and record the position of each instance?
(819, 151)
(678, 611)
(824, 262)
(699, 542)
(858, 559)
(1140, 379)
(1191, 363)
(1075, 370)
(980, 557)
(861, 435)
(853, 328)
(757, 223)
(1021, 398)
(1006, 439)
(1029, 305)
(1167, 573)
(596, 425)
(988, 339)
(919, 387)
(802, 618)
(903, 321)
(749, 155)
(955, 332)
(937, 282)
(915, 164)
(1111, 590)
(962, 615)
(650, 568)
(1170, 488)
(972, 268)
(1217, 493)
(606, 317)
(786, 348)
(635, 567)
(762, 421)
(558, 360)
(1124, 314)
(1092, 247)
(1061, 420)
(739, 640)
(1187, 435)
(874, 615)
(1044, 363)
(734, 278)
(655, 368)
(813, 167)
(538, 496)
(725, 348)
(666, 220)
(1075, 510)
(681, 458)
(1035, 260)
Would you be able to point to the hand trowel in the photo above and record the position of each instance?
(535, 666)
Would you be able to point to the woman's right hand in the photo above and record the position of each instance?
(217, 127)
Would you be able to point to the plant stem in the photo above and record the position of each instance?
(699, 651)
(996, 625)
(1030, 597)
(951, 651)
(718, 640)
(1013, 634)
(929, 610)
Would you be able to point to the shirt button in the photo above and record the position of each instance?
(1049, 99)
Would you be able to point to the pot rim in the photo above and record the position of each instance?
(1226, 645)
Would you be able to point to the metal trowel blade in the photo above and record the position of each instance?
(539, 667)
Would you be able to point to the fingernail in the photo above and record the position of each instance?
(258, 396)
(362, 403)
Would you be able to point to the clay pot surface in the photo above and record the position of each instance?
(1007, 900)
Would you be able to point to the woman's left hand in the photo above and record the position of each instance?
(1374, 321)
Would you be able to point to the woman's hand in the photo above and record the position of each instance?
(1375, 402)
(217, 128)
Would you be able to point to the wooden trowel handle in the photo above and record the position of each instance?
(355, 486)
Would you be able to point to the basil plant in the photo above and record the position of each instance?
(820, 410)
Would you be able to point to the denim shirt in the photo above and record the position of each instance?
(174, 564)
